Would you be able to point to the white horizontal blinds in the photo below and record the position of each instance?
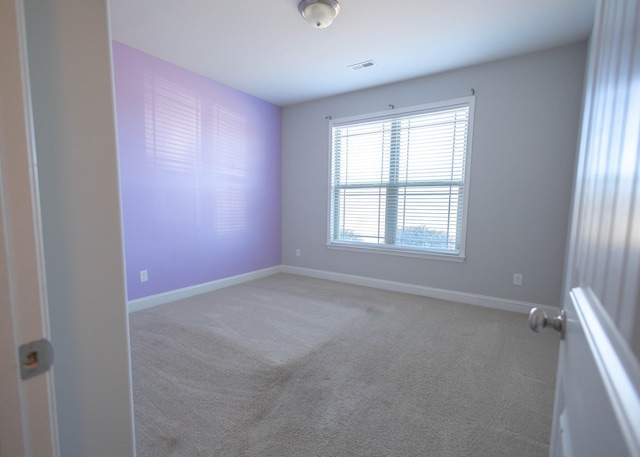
(399, 181)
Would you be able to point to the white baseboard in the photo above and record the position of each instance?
(179, 294)
(432, 292)
(424, 291)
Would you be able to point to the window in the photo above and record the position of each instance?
(399, 180)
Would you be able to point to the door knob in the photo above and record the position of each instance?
(539, 321)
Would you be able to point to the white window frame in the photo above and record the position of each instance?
(405, 250)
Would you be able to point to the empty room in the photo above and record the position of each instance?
(320, 228)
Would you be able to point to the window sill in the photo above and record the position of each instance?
(396, 252)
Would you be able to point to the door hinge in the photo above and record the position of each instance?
(35, 358)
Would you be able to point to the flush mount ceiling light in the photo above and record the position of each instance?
(319, 13)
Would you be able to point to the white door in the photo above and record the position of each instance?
(56, 105)
(27, 414)
(597, 405)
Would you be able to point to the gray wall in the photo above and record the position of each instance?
(525, 134)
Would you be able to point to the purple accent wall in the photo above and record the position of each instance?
(199, 176)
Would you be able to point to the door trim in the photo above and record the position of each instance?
(31, 420)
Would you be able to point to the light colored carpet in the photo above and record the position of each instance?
(292, 366)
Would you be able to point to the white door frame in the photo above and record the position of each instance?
(27, 416)
(57, 105)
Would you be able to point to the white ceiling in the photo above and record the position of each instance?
(264, 47)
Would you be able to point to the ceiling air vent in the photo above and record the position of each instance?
(361, 65)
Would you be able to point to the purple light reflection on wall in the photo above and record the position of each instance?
(199, 176)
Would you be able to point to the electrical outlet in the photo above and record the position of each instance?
(297, 252)
(144, 276)
(517, 279)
